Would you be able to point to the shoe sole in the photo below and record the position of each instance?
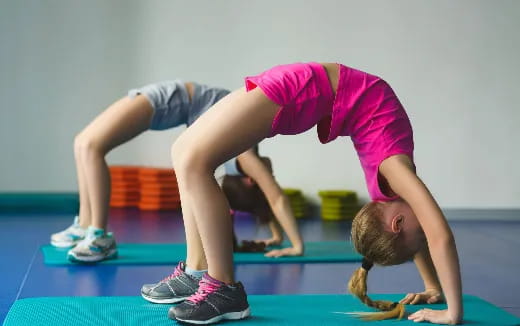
(227, 316)
(169, 300)
(64, 244)
(112, 254)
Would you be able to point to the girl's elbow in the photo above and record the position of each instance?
(442, 240)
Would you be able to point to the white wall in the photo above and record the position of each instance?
(454, 64)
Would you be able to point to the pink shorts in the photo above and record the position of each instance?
(303, 92)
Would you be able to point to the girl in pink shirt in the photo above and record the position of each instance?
(340, 101)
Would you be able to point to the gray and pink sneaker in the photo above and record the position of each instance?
(213, 302)
(173, 288)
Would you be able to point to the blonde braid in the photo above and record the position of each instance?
(358, 286)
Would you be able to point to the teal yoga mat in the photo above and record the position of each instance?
(172, 253)
(278, 310)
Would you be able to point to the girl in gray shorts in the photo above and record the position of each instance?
(176, 103)
(156, 106)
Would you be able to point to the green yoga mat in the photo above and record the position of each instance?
(172, 253)
(265, 310)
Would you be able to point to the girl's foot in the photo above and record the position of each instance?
(175, 288)
(70, 236)
(98, 245)
(213, 302)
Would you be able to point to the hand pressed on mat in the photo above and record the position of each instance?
(270, 242)
(433, 316)
(427, 296)
(291, 251)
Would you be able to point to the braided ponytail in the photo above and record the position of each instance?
(358, 286)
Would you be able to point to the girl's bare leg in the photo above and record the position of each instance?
(84, 203)
(195, 257)
(119, 123)
(210, 141)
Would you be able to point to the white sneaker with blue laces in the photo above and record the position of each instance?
(70, 236)
(98, 245)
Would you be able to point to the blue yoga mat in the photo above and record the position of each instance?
(172, 253)
(278, 310)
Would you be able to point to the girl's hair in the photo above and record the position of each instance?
(246, 198)
(374, 242)
(358, 286)
(380, 247)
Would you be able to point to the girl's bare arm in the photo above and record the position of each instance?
(253, 166)
(400, 174)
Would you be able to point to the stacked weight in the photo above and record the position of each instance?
(298, 202)
(143, 187)
(158, 189)
(338, 205)
(125, 186)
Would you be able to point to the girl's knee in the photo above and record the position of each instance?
(177, 152)
(86, 146)
(189, 160)
(77, 144)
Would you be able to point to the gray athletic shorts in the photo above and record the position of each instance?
(171, 102)
(231, 168)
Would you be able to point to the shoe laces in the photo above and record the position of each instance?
(176, 272)
(206, 287)
(86, 242)
(73, 228)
